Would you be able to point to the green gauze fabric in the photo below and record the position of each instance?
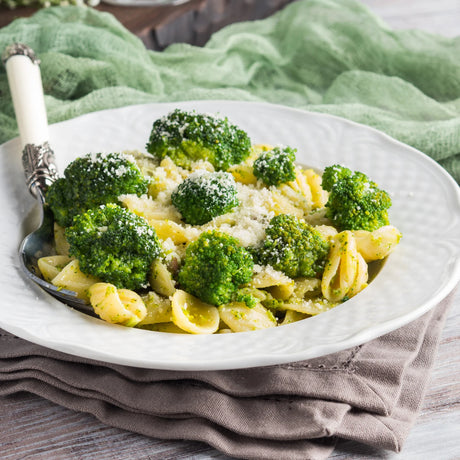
(330, 56)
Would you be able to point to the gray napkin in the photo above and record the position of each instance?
(370, 394)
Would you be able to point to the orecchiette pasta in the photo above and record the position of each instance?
(192, 315)
(243, 173)
(51, 266)
(326, 231)
(346, 271)
(179, 234)
(266, 276)
(298, 192)
(318, 195)
(277, 283)
(281, 204)
(282, 291)
(173, 171)
(159, 309)
(161, 280)
(377, 244)
(148, 208)
(292, 316)
(309, 307)
(307, 287)
(73, 279)
(118, 306)
(240, 318)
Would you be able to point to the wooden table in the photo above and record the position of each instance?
(191, 22)
(36, 429)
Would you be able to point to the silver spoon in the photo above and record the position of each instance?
(26, 88)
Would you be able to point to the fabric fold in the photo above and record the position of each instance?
(189, 428)
(300, 408)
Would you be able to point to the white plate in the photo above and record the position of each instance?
(423, 269)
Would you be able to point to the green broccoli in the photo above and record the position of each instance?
(246, 296)
(204, 195)
(114, 245)
(355, 202)
(215, 266)
(92, 180)
(272, 303)
(276, 166)
(293, 247)
(189, 136)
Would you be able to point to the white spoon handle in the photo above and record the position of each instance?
(22, 68)
(26, 88)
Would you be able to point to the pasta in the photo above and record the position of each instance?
(161, 279)
(51, 266)
(192, 315)
(117, 306)
(240, 318)
(170, 229)
(73, 279)
(270, 299)
(276, 282)
(159, 309)
(378, 244)
(292, 316)
(346, 271)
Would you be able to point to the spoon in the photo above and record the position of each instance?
(22, 67)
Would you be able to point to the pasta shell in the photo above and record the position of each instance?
(345, 273)
(117, 306)
(192, 315)
(240, 318)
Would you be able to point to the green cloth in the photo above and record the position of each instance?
(331, 56)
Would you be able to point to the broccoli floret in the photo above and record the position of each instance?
(59, 198)
(92, 180)
(204, 195)
(272, 303)
(215, 266)
(189, 136)
(355, 202)
(276, 166)
(114, 244)
(293, 247)
(244, 295)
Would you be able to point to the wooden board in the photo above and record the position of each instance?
(192, 22)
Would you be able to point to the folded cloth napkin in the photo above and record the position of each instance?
(332, 56)
(370, 393)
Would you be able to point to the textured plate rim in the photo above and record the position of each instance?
(256, 359)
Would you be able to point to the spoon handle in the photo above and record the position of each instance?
(24, 79)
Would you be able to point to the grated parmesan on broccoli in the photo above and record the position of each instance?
(189, 136)
(93, 180)
(204, 195)
(276, 166)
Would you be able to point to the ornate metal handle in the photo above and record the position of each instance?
(22, 67)
(39, 167)
(19, 49)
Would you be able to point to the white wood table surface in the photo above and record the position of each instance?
(34, 428)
